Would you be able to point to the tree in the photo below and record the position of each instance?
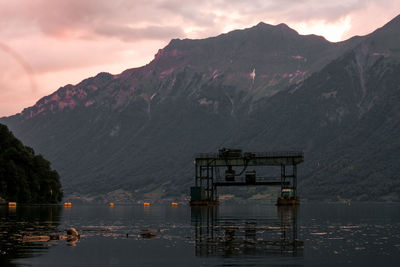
(24, 176)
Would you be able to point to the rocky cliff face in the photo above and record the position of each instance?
(261, 88)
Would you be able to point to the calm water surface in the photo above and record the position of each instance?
(250, 234)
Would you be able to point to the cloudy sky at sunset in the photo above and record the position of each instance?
(46, 44)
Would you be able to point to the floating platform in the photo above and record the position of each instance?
(204, 203)
(233, 164)
(234, 183)
(287, 201)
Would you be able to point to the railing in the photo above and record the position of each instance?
(281, 154)
(241, 179)
(207, 155)
(272, 154)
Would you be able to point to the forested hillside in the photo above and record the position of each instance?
(24, 176)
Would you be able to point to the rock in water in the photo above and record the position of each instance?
(72, 232)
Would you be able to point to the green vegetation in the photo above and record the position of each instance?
(24, 176)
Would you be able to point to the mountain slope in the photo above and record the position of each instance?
(345, 122)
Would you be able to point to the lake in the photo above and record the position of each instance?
(246, 234)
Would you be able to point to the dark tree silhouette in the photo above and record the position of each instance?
(24, 176)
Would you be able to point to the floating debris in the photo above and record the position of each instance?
(323, 233)
(147, 233)
(349, 226)
(36, 238)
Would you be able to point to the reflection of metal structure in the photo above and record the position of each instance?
(216, 236)
(207, 173)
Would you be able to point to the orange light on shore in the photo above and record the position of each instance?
(111, 204)
(174, 204)
(12, 204)
(146, 204)
(67, 204)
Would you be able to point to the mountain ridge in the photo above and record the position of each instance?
(177, 52)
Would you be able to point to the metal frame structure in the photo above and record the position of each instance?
(207, 170)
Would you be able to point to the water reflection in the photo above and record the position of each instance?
(227, 236)
(26, 229)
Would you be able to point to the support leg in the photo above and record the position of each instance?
(295, 181)
(208, 182)
(196, 176)
(283, 178)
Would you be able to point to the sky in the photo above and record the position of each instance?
(46, 44)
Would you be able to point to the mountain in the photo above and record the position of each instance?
(344, 117)
(134, 135)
